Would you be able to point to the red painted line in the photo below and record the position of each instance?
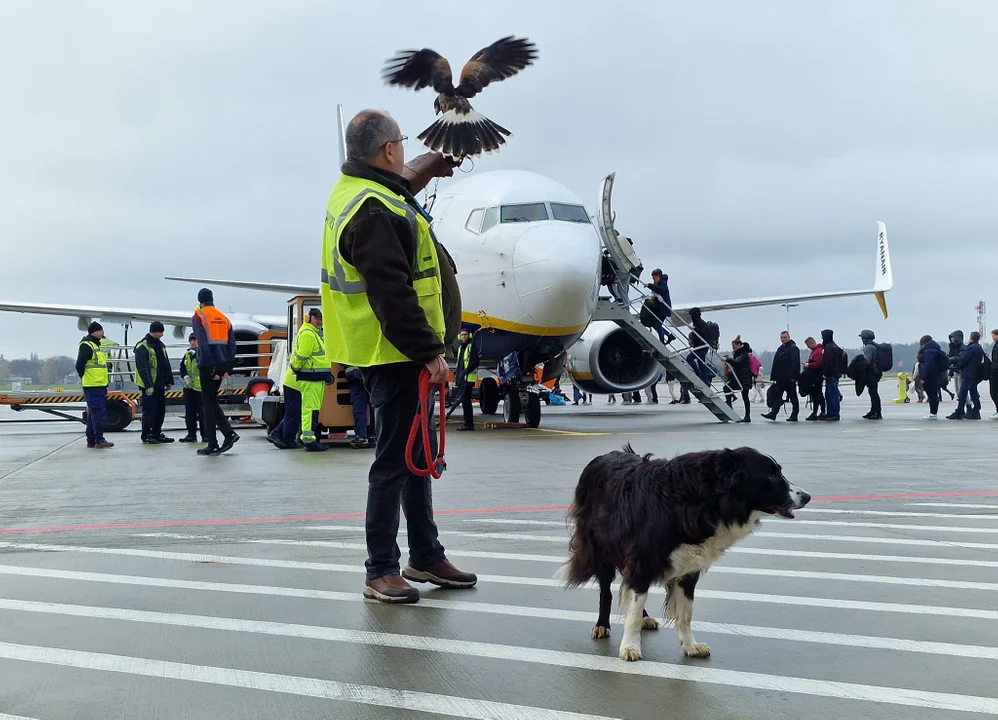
(457, 511)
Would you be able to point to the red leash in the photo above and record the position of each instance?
(422, 423)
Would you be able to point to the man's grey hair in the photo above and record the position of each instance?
(368, 132)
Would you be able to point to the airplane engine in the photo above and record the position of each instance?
(608, 360)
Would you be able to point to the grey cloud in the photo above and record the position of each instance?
(755, 145)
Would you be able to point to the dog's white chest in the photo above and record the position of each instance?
(687, 559)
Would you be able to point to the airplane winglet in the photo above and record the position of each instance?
(341, 135)
(884, 276)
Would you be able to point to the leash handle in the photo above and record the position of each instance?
(421, 425)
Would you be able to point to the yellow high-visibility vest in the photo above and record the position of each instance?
(95, 371)
(463, 358)
(353, 334)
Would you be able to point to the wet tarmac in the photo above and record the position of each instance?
(147, 582)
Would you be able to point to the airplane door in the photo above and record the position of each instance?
(619, 248)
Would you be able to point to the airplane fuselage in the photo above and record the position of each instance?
(528, 260)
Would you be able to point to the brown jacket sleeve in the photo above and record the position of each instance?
(383, 256)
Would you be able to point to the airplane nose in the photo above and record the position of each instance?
(555, 271)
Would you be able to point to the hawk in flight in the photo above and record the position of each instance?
(460, 131)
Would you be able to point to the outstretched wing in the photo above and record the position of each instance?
(418, 69)
(500, 60)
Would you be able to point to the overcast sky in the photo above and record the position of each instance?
(755, 145)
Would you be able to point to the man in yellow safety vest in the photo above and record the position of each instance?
(466, 377)
(310, 368)
(91, 366)
(193, 407)
(153, 375)
(390, 292)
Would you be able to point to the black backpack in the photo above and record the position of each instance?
(713, 333)
(884, 357)
(986, 368)
(942, 362)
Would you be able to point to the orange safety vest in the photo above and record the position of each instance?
(215, 324)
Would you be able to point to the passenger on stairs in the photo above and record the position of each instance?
(741, 370)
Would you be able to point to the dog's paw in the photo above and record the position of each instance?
(600, 632)
(629, 653)
(697, 650)
(650, 623)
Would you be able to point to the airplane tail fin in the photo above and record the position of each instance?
(341, 136)
(884, 276)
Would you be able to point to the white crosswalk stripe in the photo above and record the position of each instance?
(786, 590)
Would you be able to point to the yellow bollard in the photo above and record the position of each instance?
(902, 389)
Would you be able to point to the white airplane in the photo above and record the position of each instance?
(528, 257)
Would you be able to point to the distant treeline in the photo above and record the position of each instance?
(49, 371)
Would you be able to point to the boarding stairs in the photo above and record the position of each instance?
(673, 356)
(625, 312)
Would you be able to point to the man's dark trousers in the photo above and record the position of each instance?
(290, 424)
(873, 387)
(394, 391)
(359, 401)
(153, 413)
(96, 413)
(213, 415)
(788, 387)
(193, 412)
(934, 394)
(466, 408)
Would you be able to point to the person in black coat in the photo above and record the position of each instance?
(932, 369)
(784, 373)
(741, 370)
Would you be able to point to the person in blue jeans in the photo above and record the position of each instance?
(832, 368)
(967, 366)
(361, 401)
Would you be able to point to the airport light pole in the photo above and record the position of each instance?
(788, 306)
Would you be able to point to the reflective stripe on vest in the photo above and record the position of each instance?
(216, 325)
(191, 367)
(95, 371)
(153, 364)
(353, 335)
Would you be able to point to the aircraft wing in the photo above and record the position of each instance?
(251, 285)
(114, 315)
(883, 282)
(121, 316)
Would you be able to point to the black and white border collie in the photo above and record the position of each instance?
(663, 522)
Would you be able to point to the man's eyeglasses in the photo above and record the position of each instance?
(400, 140)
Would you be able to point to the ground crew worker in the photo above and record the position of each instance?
(193, 405)
(91, 366)
(310, 367)
(153, 375)
(389, 290)
(467, 364)
(216, 356)
(285, 435)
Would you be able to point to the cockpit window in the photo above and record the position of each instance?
(491, 218)
(527, 212)
(569, 213)
(475, 220)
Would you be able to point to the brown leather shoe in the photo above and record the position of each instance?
(443, 574)
(390, 589)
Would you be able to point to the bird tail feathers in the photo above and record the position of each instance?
(457, 135)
